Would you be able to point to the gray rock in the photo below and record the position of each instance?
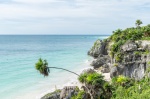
(129, 46)
(100, 61)
(133, 62)
(67, 92)
(113, 71)
(89, 70)
(105, 70)
(98, 49)
(53, 95)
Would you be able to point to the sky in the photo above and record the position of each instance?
(99, 17)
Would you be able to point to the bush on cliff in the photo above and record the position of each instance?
(98, 86)
(137, 90)
(121, 87)
(80, 95)
(120, 37)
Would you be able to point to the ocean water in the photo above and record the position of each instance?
(19, 53)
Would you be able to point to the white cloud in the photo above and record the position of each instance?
(78, 15)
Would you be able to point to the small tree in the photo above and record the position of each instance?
(138, 23)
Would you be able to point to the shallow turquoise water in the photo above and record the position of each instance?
(18, 55)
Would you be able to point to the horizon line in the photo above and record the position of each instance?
(55, 34)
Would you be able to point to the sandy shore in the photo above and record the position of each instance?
(74, 81)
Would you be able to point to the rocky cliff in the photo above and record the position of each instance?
(132, 60)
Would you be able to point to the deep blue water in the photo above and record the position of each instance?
(19, 53)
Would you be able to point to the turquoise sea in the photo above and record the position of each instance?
(19, 53)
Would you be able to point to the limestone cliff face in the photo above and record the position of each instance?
(132, 61)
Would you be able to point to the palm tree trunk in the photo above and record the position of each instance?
(65, 70)
(75, 74)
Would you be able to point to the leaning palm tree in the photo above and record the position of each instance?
(42, 67)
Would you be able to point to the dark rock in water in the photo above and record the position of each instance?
(68, 91)
(53, 95)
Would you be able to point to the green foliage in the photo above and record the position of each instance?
(91, 78)
(148, 62)
(121, 80)
(145, 38)
(146, 52)
(115, 64)
(138, 22)
(116, 46)
(96, 83)
(122, 87)
(118, 57)
(42, 67)
(148, 69)
(80, 95)
(137, 53)
(138, 90)
(82, 77)
(120, 37)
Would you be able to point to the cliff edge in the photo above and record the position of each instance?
(126, 52)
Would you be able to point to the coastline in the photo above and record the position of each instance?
(69, 52)
(74, 81)
(71, 82)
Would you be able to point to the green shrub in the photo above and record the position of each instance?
(146, 52)
(95, 78)
(121, 79)
(137, 53)
(138, 90)
(115, 64)
(91, 78)
(83, 77)
(80, 95)
(118, 57)
(119, 36)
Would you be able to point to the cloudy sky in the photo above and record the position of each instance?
(70, 16)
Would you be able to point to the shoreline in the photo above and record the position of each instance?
(74, 81)
(71, 82)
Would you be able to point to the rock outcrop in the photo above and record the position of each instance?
(53, 95)
(132, 61)
(66, 93)
(98, 49)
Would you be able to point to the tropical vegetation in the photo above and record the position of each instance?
(121, 36)
(119, 87)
